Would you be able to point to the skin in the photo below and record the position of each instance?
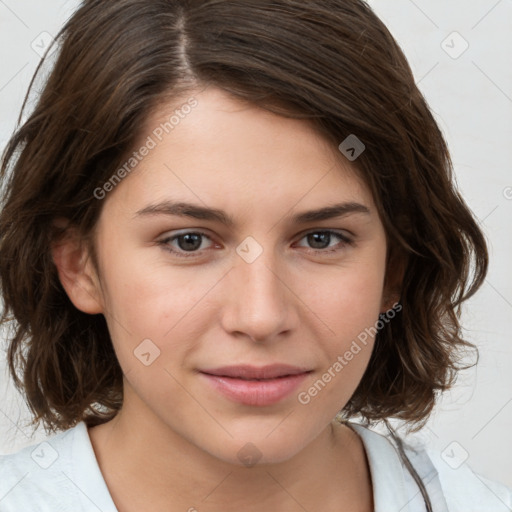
(175, 443)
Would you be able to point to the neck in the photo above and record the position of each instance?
(146, 465)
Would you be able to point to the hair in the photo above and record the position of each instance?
(332, 63)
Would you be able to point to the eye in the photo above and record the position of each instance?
(188, 242)
(321, 240)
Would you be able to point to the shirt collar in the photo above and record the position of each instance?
(387, 472)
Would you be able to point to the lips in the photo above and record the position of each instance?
(248, 372)
(256, 386)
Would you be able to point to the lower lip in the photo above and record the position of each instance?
(256, 392)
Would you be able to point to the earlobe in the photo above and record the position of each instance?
(76, 273)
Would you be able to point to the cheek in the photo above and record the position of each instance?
(154, 301)
(350, 309)
(349, 301)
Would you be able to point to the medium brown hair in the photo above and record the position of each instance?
(330, 62)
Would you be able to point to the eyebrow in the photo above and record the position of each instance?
(183, 209)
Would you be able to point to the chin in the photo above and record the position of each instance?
(247, 451)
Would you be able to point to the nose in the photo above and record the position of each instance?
(258, 300)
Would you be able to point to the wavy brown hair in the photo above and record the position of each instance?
(330, 62)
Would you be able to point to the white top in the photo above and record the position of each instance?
(63, 475)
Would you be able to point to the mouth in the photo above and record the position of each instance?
(248, 372)
(256, 386)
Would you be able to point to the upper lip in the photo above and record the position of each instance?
(245, 371)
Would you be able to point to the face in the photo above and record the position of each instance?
(233, 318)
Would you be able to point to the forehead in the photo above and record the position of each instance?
(224, 151)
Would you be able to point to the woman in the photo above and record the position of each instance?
(228, 228)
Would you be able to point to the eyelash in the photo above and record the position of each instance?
(165, 243)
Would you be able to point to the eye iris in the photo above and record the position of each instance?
(323, 238)
(192, 241)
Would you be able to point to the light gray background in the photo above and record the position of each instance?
(471, 97)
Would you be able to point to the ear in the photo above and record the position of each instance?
(395, 272)
(76, 271)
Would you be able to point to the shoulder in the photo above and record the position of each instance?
(44, 476)
(36, 474)
(452, 486)
(464, 489)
